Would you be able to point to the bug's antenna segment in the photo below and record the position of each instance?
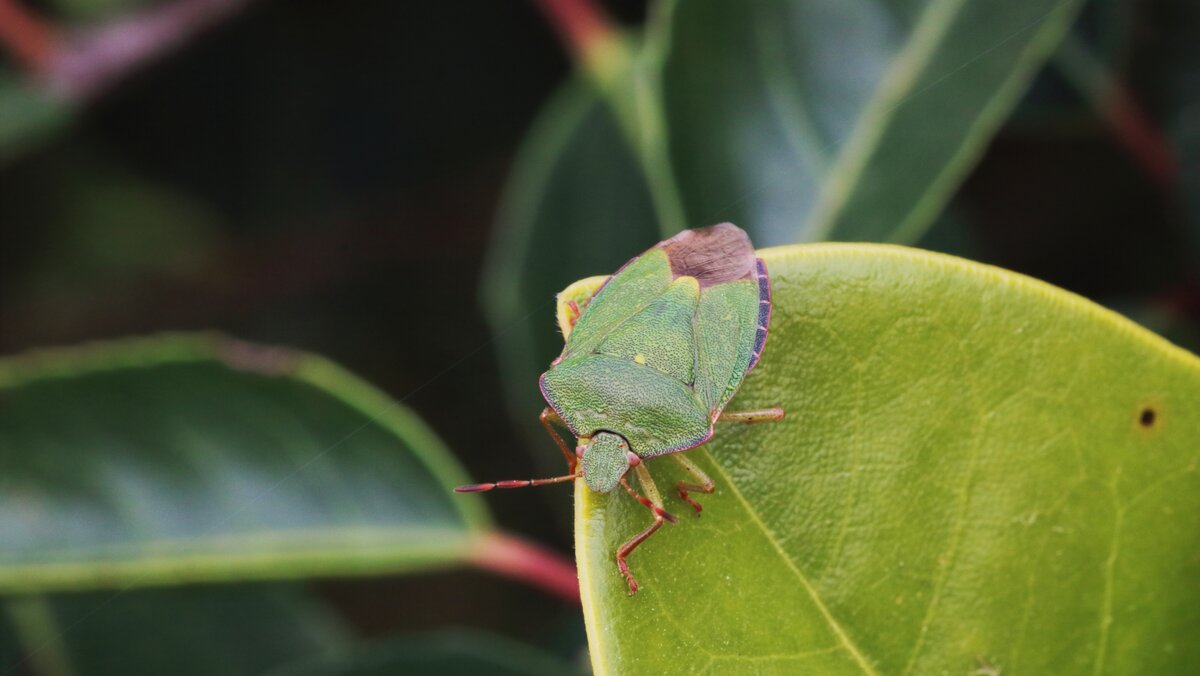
(517, 483)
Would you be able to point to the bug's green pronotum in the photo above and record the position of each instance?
(651, 362)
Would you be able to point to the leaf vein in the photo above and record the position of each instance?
(834, 625)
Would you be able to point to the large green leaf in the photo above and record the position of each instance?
(187, 458)
(827, 119)
(797, 119)
(976, 471)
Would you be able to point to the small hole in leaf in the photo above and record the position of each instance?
(1147, 417)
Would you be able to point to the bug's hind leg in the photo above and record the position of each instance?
(654, 504)
(548, 418)
(703, 483)
(773, 414)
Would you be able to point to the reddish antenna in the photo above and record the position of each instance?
(517, 483)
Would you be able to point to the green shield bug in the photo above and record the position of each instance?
(650, 363)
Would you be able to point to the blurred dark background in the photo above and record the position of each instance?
(325, 176)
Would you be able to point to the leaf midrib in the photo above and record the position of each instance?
(826, 614)
(900, 78)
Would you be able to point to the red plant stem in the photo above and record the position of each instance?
(581, 24)
(1114, 103)
(94, 58)
(1140, 137)
(517, 558)
(26, 36)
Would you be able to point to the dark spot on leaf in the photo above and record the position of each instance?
(1147, 417)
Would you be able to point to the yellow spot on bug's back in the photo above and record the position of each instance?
(639, 358)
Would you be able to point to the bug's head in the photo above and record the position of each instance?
(604, 459)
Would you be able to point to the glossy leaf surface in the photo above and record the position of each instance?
(977, 470)
(189, 458)
(844, 120)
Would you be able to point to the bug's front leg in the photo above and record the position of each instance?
(654, 504)
(548, 418)
(704, 483)
(573, 307)
(773, 414)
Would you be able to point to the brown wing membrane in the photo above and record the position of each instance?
(716, 254)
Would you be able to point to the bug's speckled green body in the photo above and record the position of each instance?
(660, 350)
(650, 364)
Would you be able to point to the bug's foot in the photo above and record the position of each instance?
(624, 568)
(695, 505)
(633, 587)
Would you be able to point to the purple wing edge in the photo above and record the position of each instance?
(764, 311)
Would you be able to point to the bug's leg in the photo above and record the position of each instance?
(548, 418)
(704, 485)
(773, 414)
(654, 504)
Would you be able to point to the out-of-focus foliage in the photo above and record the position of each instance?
(27, 116)
(1182, 96)
(800, 120)
(327, 177)
(198, 458)
(189, 631)
(451, 653)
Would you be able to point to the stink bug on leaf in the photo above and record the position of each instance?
(651, 362)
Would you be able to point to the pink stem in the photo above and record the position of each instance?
(91, 59)
(517, 558)
(581, 24)
(1141, 138)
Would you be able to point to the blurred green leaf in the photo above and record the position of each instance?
(1181, 94)
(10, 647)
(27, 116)
(449, 653)
(188, 458)
(796, 120)
(841, 120)
(977, 470)
(79, 11)
(111, 229)
(228, 630)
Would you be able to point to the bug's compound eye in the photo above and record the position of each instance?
(633, 458)
(581, 446)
